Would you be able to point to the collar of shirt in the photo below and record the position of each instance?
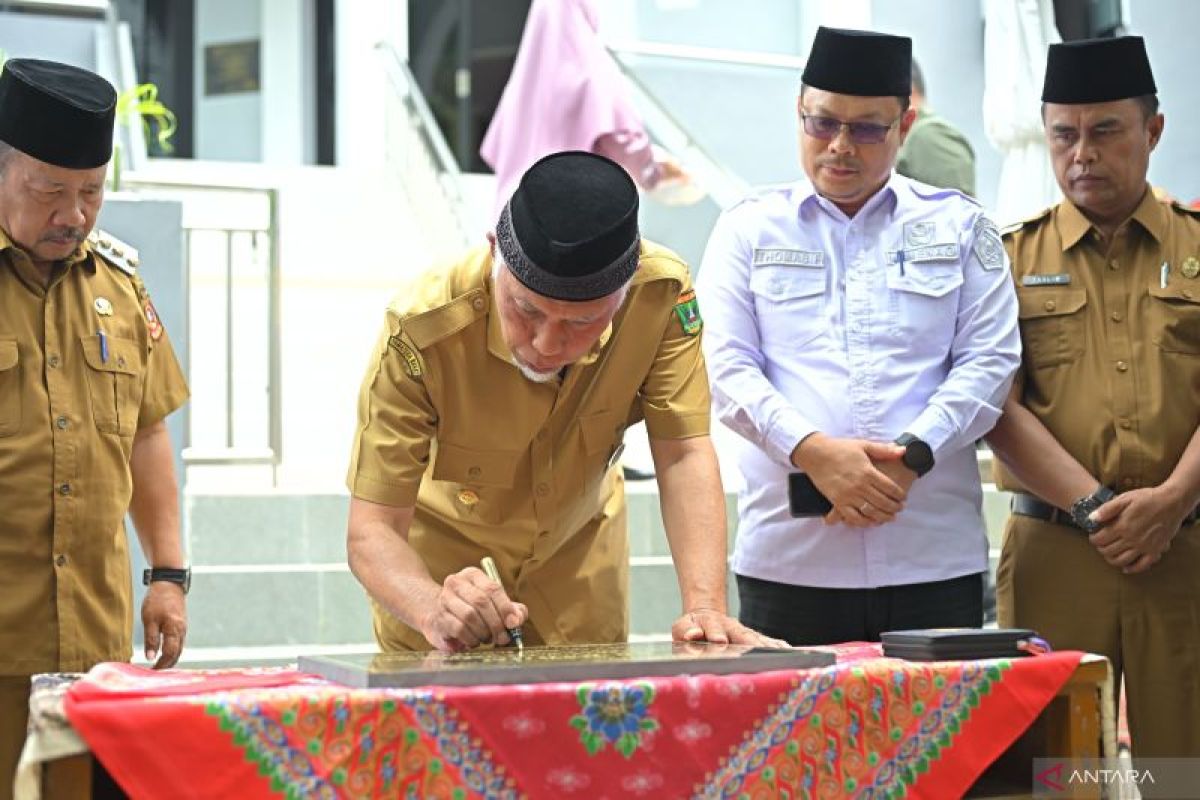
(807, 194)
(1073, 225)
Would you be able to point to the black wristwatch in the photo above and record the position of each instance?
(181, 577)
(918, 455)
(1084, 506)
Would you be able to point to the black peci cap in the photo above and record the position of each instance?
(57, 113)
(1097, 71)
(862, 63)
(570, 231)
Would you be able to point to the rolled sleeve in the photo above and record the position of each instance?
(675, 396)
(166, 389)
(396, 424)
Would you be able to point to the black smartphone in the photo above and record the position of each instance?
(804, 498)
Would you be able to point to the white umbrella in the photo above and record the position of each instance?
(1016, 35)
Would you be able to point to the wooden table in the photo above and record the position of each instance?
(1079, 723)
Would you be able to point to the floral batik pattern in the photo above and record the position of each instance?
(616, 714)
(869, 732)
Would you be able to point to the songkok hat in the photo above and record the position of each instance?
(570, 231)
(862, 63)
(57, 113)
(1097, 71)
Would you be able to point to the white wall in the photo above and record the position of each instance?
(361, 80)
(1170, 27)
(288, 82)
(948, 44)
(227, 127)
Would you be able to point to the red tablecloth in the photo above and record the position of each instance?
(868, 727)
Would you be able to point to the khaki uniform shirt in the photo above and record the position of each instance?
(68, 412)
(935, 152)
(497, 464)
(1111, 362)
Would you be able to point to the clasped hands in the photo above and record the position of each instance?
(866, 481)
(1138, 527)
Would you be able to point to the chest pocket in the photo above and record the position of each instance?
(922, 303)
(790, 304)
(1052, 325)
(484, 478)
(10, 388)
(1175, 314)
(114, 383)
(495, 468)
(601, 433)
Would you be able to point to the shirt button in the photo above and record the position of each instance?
(1114, 264)
(1122, 366)
(60, 561)
(53, 362)
(121, 362)
(478, 303)
(61, 423)
(474, 472)
(64, 488)
(543, 489)
(1117, 316)
(1050, 305)
(1126, 424)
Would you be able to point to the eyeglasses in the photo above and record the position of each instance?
(827, 128)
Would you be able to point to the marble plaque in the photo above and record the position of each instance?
(559, 663)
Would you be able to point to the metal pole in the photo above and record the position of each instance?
(229, 339)
(462, 84)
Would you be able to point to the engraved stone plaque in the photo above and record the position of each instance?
(556, 663)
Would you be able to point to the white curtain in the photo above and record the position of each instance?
(1016, 35)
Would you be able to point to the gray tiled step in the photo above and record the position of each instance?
(275, 607)
(270, 528)
(324, 605)
(302, 529)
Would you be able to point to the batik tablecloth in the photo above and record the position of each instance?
(867, 727)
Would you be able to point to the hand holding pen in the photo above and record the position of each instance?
(469, 609)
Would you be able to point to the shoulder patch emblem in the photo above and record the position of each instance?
(987, 247)
(412, 364)
(688, 311)
(153, 323)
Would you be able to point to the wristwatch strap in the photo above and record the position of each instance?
(180, 577)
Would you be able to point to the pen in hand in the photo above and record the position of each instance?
(489, 568)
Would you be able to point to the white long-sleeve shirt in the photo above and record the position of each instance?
(900, 319)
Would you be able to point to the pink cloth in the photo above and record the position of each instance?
(565, 93)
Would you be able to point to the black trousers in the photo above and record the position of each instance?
(815, 615)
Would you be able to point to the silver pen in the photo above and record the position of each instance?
(1162, 279)
(489, 568)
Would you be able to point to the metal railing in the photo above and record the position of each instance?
(723, 186)
(419, 156)
(239, 271)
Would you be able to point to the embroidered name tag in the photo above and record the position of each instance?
(788, 257)
(917, 255)
(1060, 279)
